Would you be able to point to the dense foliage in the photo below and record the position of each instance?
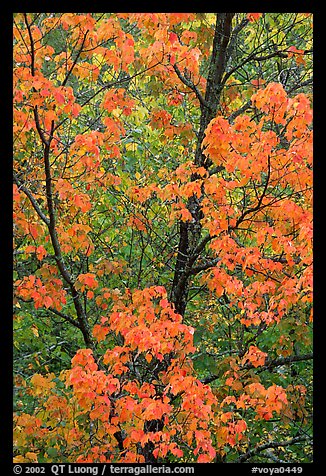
(163, 237)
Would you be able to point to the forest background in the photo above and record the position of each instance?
(163, 231)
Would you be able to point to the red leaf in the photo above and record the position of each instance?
(173, 37)
(253, 16)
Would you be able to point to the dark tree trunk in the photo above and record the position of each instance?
(190, 232)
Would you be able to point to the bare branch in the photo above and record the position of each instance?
(187, 81)
(239, 111)
(65, 317)
(34, 203)
(270, 363)
(271, 444)
(75, 60)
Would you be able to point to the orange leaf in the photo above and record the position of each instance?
(252, 17)
(100, 332)
(47, 301)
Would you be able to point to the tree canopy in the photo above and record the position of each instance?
(163, 237)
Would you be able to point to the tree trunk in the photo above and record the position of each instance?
(190, 232)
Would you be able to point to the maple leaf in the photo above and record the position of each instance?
(59, 97)
(47, 301)
(254, 356)
(89, 279)
(252, 17)
(173, 239)
(41, 252)
(100, 332)
(258, 82)
(83, 202)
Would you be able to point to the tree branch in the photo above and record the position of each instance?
(51, 221)
(32, 200)
(271, 444)
(270, 363)
(65, 317)
(203, 266)
(257, 207)
(252, 57)
(239, 111)
(35, 111)
(236, 30)
(191, 85)
(75, 60)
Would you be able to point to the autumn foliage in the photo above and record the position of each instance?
(163, 237)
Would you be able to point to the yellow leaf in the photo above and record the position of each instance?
(19, 459)
(32, 457)
(116, 112)
(131, 146)
(35, 330)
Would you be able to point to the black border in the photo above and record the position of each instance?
(7, 224)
